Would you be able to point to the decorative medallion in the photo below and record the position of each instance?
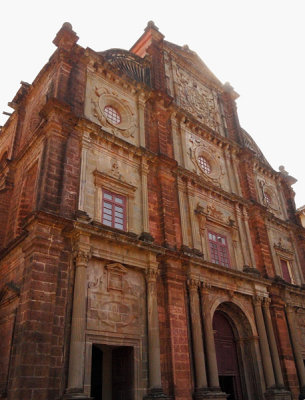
(114, 112)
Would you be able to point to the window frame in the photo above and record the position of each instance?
(219, 248)
(113, 210)
(105, 181)
(289, 270)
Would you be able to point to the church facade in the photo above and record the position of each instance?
(148, 249)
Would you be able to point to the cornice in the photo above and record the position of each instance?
(200, 182)
(99, 231)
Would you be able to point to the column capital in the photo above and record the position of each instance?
(257, 300)
(82, 257)
(151, 274)
(205, 287)
(193, 283)
(266, 302)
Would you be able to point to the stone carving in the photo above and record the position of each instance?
(82, 257)
(114, 171)
(196, 98)
(284, 245)
(109, 97)
(213, 212)
(116, 299)
(115, 275)
(200, 148)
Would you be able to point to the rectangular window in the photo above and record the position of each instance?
(286, 271)
(114, 210)
(219, 249)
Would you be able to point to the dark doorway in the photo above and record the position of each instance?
(112, 372)
(226, 353)
(228, 385)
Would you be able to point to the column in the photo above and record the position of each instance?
(200, 371)
(250, 246)
(263, 342)
(77, 344)
(82, 190)
(141, 108)
(145, 214)
(155, 385)
(272, 343)
(183, 213)
(209, 340)
(290, 314)
(195, 234)
(241, 234)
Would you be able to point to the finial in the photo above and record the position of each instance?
(282, 170)
(66, 38)
(67, 25)
(288, 178)
(151, 25)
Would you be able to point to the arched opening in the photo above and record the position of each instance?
(226, 353)
(237, 353)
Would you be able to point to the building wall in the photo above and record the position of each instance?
(185, 170)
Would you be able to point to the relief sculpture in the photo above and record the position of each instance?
(116, 300)
(196, 98)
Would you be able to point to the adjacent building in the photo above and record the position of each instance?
(148, 249)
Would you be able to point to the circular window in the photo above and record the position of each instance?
(204, 164)
(112, 115)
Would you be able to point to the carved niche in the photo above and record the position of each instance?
(116, 300)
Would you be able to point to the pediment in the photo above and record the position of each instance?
(116, 268)
(194, 62)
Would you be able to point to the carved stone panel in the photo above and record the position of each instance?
(199, 150)
(100, 95)
(268, 195)
(116, 299)
(196, 98)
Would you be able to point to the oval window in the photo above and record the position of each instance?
(112, 115)
(204, 165)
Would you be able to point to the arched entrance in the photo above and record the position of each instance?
(226, 353)
(237, 353)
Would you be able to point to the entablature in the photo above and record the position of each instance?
(194, 180)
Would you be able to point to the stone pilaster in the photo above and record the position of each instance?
(145, 215)
(290, 315)
(199, 358)
(272, 343)
(212, 369)
(75, 388)
(154, 367)
(264, 345)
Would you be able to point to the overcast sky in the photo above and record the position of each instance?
(258, 46)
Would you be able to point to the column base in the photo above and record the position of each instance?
(156, 393)
(277, 394)
(209, 394)
(76, 394)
